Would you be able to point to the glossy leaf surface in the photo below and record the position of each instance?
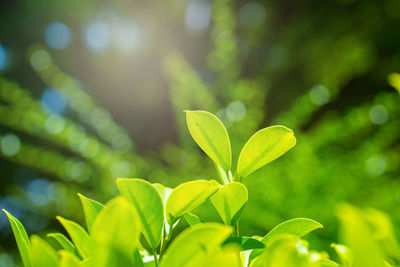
(90, 209)
(263, 147)
(211, 136)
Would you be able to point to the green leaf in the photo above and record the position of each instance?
(42, 253)
(21, 238)
(246, 243)
(192, 245)
(163, 191)
(148, 205)
(344, 253)
(192, 219)
(188, 196)
(63, 241)
(357, 235)
(263, 147)
(211, 136)
(229, 200)
(78, 236)
(68, 259)
(115, 234)
(298, 227)
(90, 209)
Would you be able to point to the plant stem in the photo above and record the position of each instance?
(165, 241)
(155, 257)
(237, 229)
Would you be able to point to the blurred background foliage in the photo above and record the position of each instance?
(94, 90)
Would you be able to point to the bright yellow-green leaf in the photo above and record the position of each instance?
(115, 234)
(229, 201)
(21, 238)
(63, 241)
(193, 244)
(68, 259)
(148, 205)
(298, 227)
(43, 254)
(263, 147)
(244, 242)
(90, 209)
(228, 256)
(344, 253)
(211, 136)
(163, 191)
(188, 196)
(357, 235)
(78, 235)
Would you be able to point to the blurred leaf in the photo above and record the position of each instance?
(188, 196)
(246, 243)
(78, 235)
(191, 218)
(21, 238)
(68, 259)
(192, 245)
(211, 136)
(90, 209)
(358, 237)
(63, 241)
(42, 253)
(163, 191)
(344, 253)
(115, 234)
(148, 205)
(229, 200)
(227, 256)
(263, 147)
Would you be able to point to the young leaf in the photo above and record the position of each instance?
(78, 235)
(298, 227)
(263, 147)
(192, 245)
(163, 191)
(229, 200)
(68, 259)
(148, 205)
(90, 209)
(42, 253)
(211, 136)
(63, 241)
(246, 243)
(21, 238)
(188, 196)
(115, 234)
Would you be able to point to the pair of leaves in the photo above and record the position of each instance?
(263, 147)
(149, 206)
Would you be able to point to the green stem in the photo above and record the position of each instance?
(237, 229)
(155, 257)
(166, 238)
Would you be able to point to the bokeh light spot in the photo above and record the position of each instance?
(375, 166)
(236, 111)
(197, 16)
(378, 114)
(55, 124)
(40, 192)
(252, 15)
(10, 145)
(98, 37)
(40, 60)
(54, 101)
(319, 95)
(58, 35)
(4, 58)
(127, 35)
